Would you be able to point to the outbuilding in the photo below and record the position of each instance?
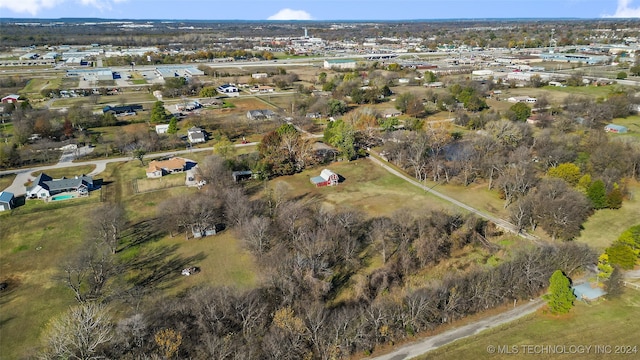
(326, 178)
(7, 201)
(618, 129)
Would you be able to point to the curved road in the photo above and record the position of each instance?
(431, 343)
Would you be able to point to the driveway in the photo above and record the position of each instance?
(431, 343)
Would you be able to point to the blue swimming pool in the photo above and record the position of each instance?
(62, 197)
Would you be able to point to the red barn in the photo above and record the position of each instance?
(13, 98)
(326, 178)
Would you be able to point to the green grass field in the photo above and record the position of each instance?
(609, 322)
(6, 181)
(366, 187)
(605, 226)
(29, 260)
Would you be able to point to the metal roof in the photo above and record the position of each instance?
(6, 196)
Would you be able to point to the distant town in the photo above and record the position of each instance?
(319, 189)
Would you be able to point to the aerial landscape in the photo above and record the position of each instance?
(319, 180)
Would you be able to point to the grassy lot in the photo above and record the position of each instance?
(67, 172)
(29, 260)
(610, 322)
(165, 182)
(6, 180)
(36, 85)
(605, 226)
(366, 187)
(592, 91)
(125, 98)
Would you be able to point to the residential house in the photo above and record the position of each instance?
(262, 89)
(162, 128)
(159, 168)
(523, 99)
(44, 186)
(12, 98)
(260, 114)
(196, 135)
(260, 75)
(326, 178)
(7, 201)
(122, 110)
(229, 90)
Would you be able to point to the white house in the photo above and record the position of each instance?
(523, 99)
(44, 186)
(162, 128)
(196, 135)
(340, 64)
(229, 90)
(260, 75)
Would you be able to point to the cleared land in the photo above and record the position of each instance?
(605, 226)
(609, 322)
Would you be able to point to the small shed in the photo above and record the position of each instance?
(618, 129)
(241, 175)
(326, 178)
(7, 201)
(586, 292)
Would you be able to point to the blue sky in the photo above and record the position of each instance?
(318, 9)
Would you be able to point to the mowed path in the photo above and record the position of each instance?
(496, 220)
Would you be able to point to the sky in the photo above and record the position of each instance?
(318, 9)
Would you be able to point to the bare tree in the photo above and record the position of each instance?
(107, 223)
(79, 333)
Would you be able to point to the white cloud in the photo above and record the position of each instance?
(34, 7)
(28, 6)
(289, 14)
(625, 10)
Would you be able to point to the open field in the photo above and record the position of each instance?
(6, 181)
(36, 85)
(366, 187)
(609, 322)
(165, 182)
(606, 225)
(30, 257)
(632, 123)
(125, 98)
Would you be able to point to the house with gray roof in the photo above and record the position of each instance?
(260, 114)
(44, 186)
(7, 201)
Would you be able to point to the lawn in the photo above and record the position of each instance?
(366, 187)
(608, 323)
(605, 226)
(6, 180)
(36, 85)
(165, 182)
(29, 260)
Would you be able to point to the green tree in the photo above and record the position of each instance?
(614, 286)
(521, 111)
(158, 113)
(224, 147)
(173, 126)
(175, 82)
(622, 255)
(208, 91)
(635, 70)
(336, 107)
(621, 75)
(597, 194)
(341, 135)
(604, 267)
(614, 198)
(631, 237)
(560, 296)
(568, 172)
(322, 77)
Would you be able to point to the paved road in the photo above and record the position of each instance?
(500, 222)
(431, 343)
(23, 175)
